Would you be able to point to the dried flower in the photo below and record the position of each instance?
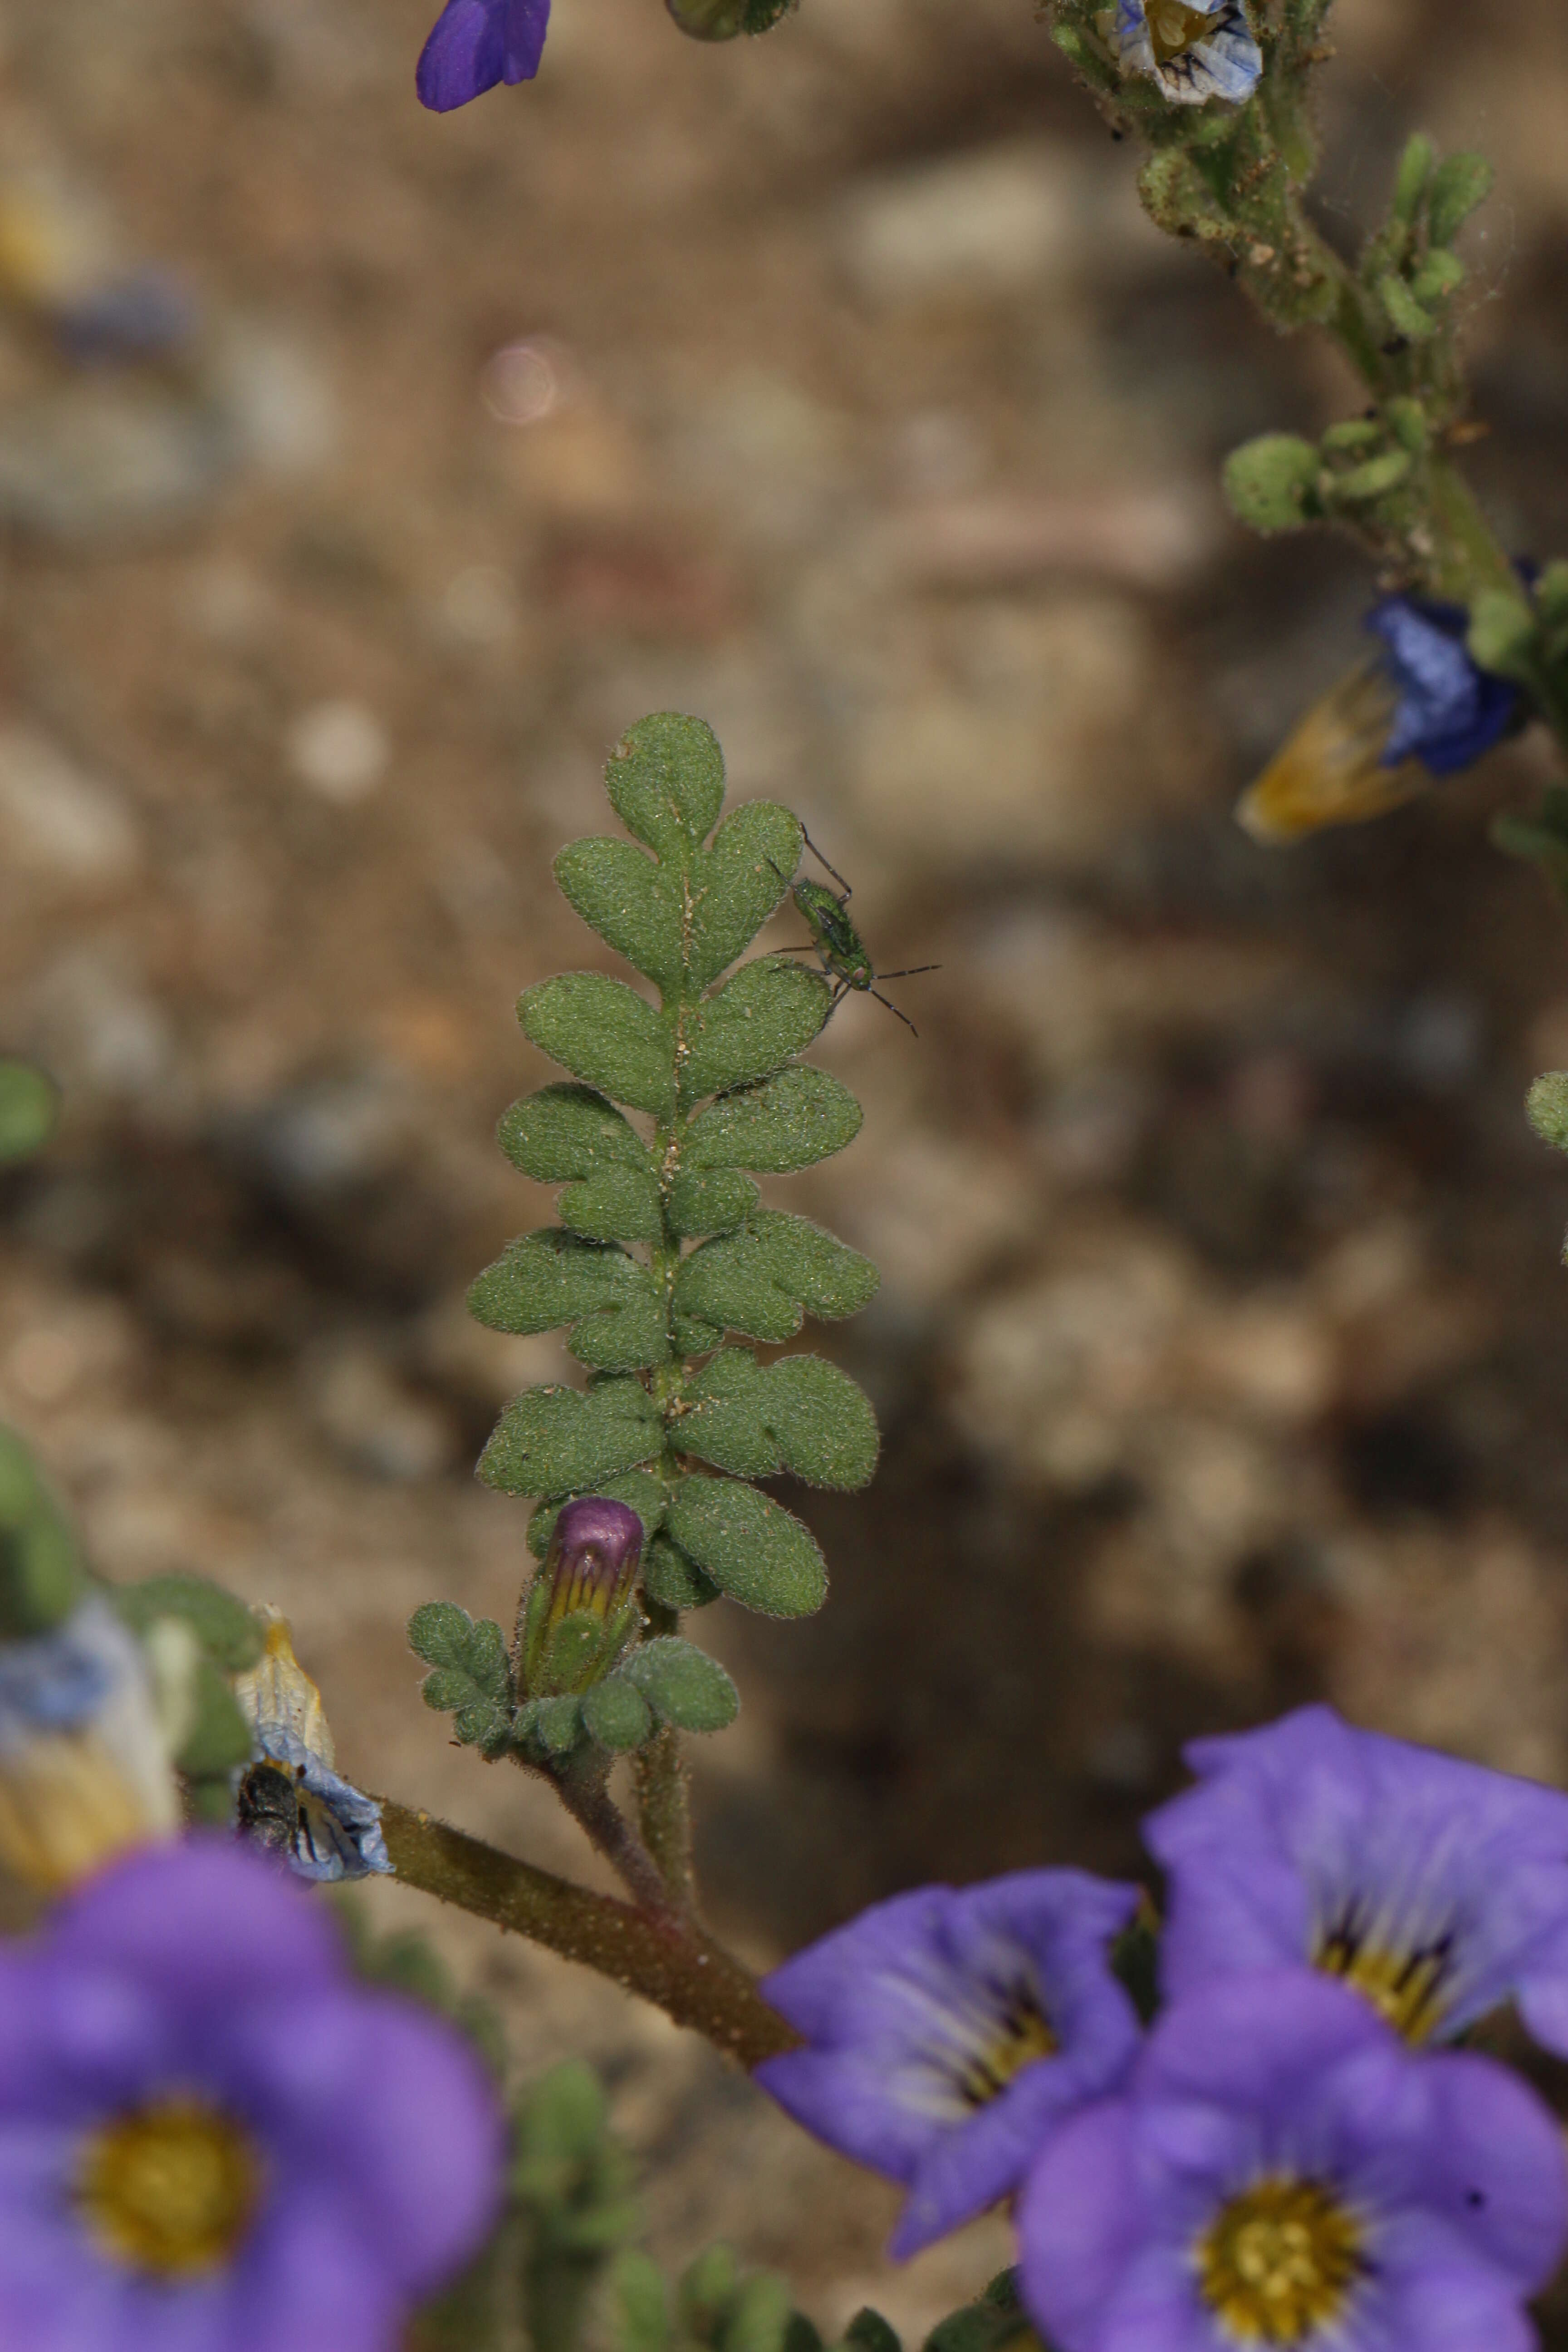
(1195, 49)
(289, 1797)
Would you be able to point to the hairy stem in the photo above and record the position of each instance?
(664, 1816)
(590, 1806)
(678, 1968)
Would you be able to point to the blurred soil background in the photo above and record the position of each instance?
(833, 387)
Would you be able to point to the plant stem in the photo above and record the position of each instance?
(678, 1968)
(590, 1806)
(664, 1816)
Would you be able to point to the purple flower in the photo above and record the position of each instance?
(1447, 710)
(1436, 1888)
(474, 44)
(948, 2031)
(1282, 2171)
(212, 2137)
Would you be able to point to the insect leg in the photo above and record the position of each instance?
(893, 1008)
(908, 970)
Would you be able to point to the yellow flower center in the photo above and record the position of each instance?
(170, 2189)
(1024, 2034)
(1173, 28)
(1279, 2262)
(1405, 1987)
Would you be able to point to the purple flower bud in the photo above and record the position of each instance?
(592, 1563)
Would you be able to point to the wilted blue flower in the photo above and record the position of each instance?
(291, 1796)
(1280, 2170)
(947, 2031)
(212, 2136)
(474, 44)
(1194, 52)
(1448, 711)
(84, 1760)
(1436, 1888)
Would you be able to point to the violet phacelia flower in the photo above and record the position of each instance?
(1281, 2171)
(212, 2135)
(1436, 1889)
(947, 2033)
(474, 44)
(1197, 51)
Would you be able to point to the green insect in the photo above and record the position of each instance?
(836, 942)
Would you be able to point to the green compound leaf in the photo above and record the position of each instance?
(638, 1489)
(752, 1548)
(760, 1020)
(616, 1714)
(552, 1725)
(800, 1414)
(564, 1132)
(229, 1635)
(673, 1578)
(787, 1122)
(1459, 185)
(737, 884)
(765, 1279)
(700, 1202)
(603, 1031)
(471, 1677)
(552, 1442)
(665, 781)
(682, 1684)
(29, 1106)
(631, 902)
(609, 1302)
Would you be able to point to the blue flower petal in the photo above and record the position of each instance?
(474, 44)
(1449, 711)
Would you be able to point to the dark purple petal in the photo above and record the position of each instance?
(474, 44)
(843, 2098)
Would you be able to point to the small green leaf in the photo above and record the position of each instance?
(666, 782)
(682, 1684)
(765, 1278)
(1441, 274)
(1405, 313)
(1271, 482)
(1502, 633)
(565, 1131)
(1362, 484)
(1546, 1107)
(556, 1723)
(602, 1031)
(673, 1579)
(1414, 171)
(617, 1715)
(786, 1122)
(759, 1020)
(638, 1489)
(553, 1442)
(570, 1649)
(800, 1414)
(608, 1301)
(737, 884)
(709, 1201)
(869, 2332)
(228, 1634)
(1458, 184)
(471, 1680)
(29, 1106)
(218, 1736)
(753, 1550)
(630, 901)
(706, 2286)
(640, 2321)
(758, 2315)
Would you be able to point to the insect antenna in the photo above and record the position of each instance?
(909, 971)
(822, 861)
